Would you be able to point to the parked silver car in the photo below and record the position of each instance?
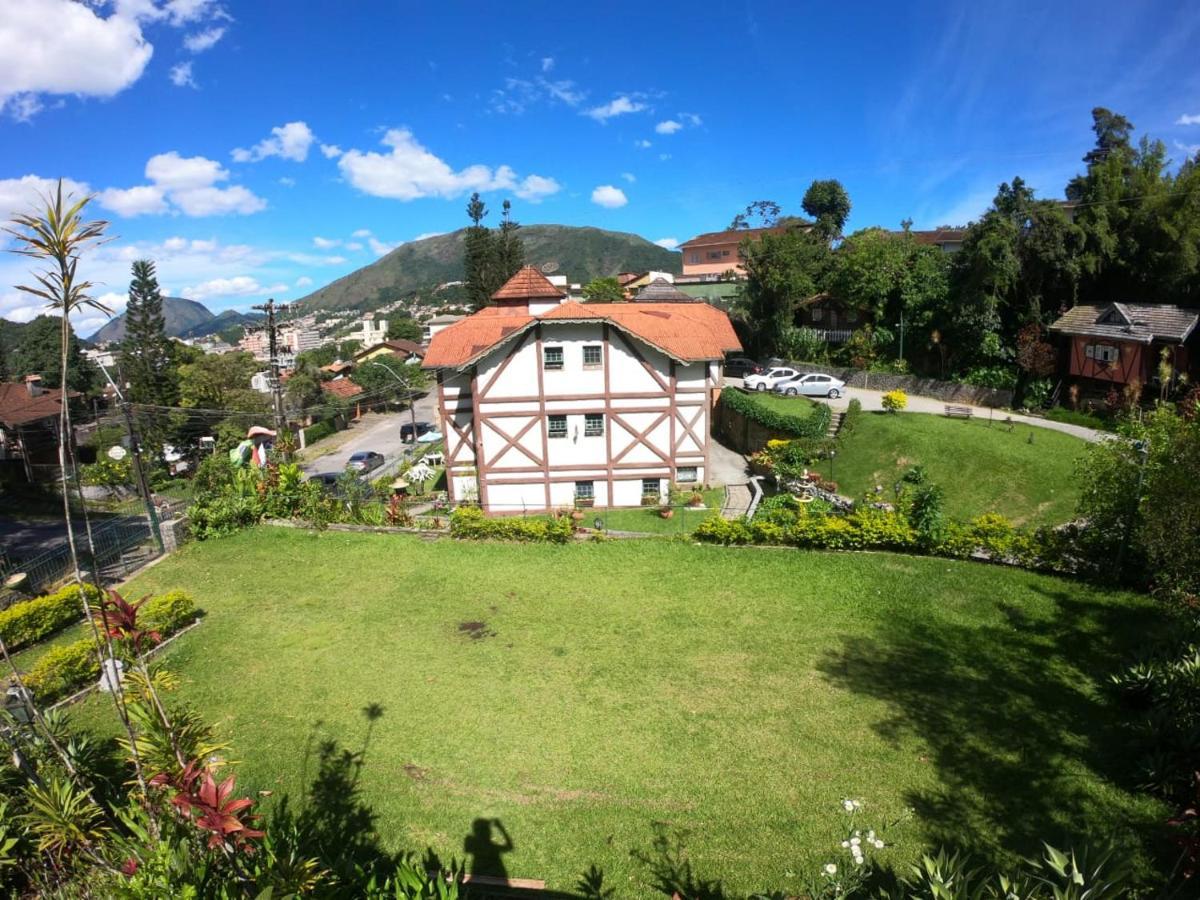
(763, 381)
(812, 384)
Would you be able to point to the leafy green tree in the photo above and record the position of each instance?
(829, 205)
(39, 353)
(509, 250)
(403, 328)
(603, 290)
(221, 381)
(758, 214)
(781, 269)
(303, 387)
(478, 255)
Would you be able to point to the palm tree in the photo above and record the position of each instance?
(58, 235)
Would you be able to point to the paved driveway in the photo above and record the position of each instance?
(375, 431)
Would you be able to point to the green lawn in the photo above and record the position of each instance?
(25, 658)
(792, 406)
(732, 697)
(646, 519)
(980, 468)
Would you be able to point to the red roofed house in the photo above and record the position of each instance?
(29, 415)
(547, 402)
(716, 252)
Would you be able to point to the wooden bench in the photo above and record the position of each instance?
(958, 412)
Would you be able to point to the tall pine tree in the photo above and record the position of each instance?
(146, 350)
(478, 255)
(510, 249)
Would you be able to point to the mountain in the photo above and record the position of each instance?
(222, 323)
(579, 253)
(180, 316)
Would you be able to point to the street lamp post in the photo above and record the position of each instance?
(412, 406)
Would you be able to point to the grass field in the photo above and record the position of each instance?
(592, 695)
(980, 468)
(646, 518)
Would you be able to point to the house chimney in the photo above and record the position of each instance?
(33, 384)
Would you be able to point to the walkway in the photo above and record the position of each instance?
(737, 501)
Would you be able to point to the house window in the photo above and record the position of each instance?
(593, 425)
(585, 490)
(685, 474)
(558, 427)
(1102, 352)
(714, 254)
(552, 357)
(592, 356)
(651, 487)
(851, 315)
(818, 314)
(693, 257)
(724, 253)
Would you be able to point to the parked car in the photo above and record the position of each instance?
(812, 384)
(327, 480)
(365, 461)
(764, 381)
(406, 431)
(741, 366)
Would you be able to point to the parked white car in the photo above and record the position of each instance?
(814, 384)
(764, 381)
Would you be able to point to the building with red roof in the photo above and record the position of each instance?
(547, 402)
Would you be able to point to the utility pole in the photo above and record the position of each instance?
(139, 472)
(273, 379)
(902, 334)
(412, 405)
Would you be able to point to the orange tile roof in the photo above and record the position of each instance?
(341, 387)
(528, 284)
(17, 407)
(730, 236)
(684, 331)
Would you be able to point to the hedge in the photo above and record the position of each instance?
(318, 431)
(814, 425)
(469, 523)
(29, 621)
(68, 668)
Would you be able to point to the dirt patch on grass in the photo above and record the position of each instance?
(415, 772)
(476, 631)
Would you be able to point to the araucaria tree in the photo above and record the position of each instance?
(478, 255)
(146, 350)
(509, 248)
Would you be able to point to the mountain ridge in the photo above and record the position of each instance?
(578, 251)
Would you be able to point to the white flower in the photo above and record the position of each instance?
(855, 841)
(830, 869)
(878, 844)
(848, 805)
(858, 860)
(871, 835)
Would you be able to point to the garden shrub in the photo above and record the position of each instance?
(894, 401)
(469, 523)
(814, 425)
(63, 670)
(105, 472)
(66, 669)
(31, 620)
(169, 612)
(851, 418)
(927, 516)
(318, 431)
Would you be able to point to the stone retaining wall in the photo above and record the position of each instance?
(742, 434)
(949, 391)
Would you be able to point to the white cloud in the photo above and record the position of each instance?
(1188, 120)
(691, 119)
(681, 121)
(361, 233)
(1189, 149)
(189, 184)
(609, 197)
(331, 151)
(409, 171)
(181, 75)
(379, 248)
(64, 47)
(200, 41)
(670, 126)
(618, 106)
(174, 12)
(668, 243)
(518, 94)
(326, 243)
(135, 201)
(629, 176)
(428, 234)
(23, 107)
(664, 156)
(643, 144)
(238, 286)
(535, 188)
(547, 63)
(23, 195)
(287, 182)
(354, 246)
(304, 281)
(291, 141)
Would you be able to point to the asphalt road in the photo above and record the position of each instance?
(375, 431)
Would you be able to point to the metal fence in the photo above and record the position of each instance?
(121, 545)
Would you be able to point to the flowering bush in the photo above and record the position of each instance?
(894, 401)
(469, 523)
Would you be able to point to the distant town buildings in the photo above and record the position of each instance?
(370, 331)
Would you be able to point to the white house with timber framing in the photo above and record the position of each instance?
(547, 402)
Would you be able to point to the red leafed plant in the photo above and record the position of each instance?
(122, 622)
(1187, 820)
(208, 805)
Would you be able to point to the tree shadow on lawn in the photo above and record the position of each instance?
(1027, 742)
(332, 822)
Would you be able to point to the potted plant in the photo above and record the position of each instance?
(650, 500)
(666, 511)
(696, 500)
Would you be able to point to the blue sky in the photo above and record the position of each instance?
(258, 148)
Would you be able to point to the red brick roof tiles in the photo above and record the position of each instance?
(17, 407)
(528, 284)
